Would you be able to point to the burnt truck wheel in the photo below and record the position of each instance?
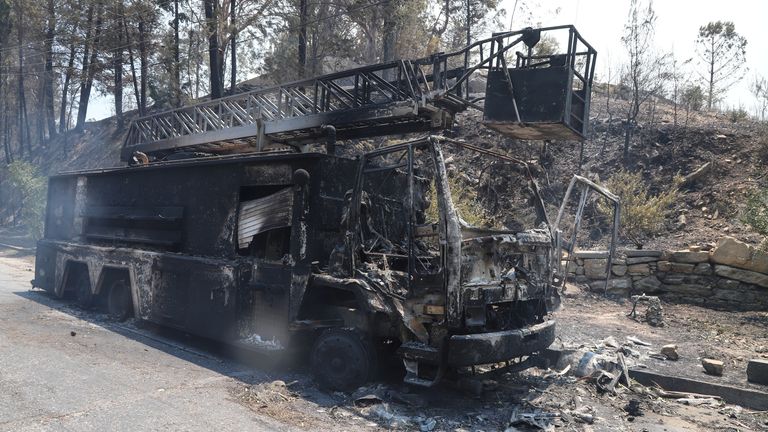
(342, 359)
(119, 302)
(83, 295)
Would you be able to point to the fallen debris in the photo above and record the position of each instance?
(654, 314)
(392, 419)
(535, 418)
(633, 408)
(637, 341)
(624, 370)
(713, 367)
(606, 381)
(700, 173)
(381, 393)
(699, 401)
(671, 394)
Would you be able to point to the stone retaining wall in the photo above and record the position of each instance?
(730, 275)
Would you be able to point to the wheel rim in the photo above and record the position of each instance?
(341, 362)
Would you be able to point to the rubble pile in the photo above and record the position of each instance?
(729, 274)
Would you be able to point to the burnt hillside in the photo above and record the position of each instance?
(707, 209)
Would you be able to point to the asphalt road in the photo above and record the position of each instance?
(108, 376)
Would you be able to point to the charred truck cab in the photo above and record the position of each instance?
(281, 250)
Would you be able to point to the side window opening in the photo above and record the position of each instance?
(386, 207)
(264, 221)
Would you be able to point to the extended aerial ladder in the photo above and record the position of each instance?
(530, 94)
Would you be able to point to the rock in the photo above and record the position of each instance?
(572, 266)
(734, 253)
(647, 284)
(757, 371)
(591, 254)
(641, 260)
(713, 367)
(690, 257)
(619, 270)
(670, 352)
(663, 266)
(681, 221)
(703, 269)
(690, 289)
(632, 253)
(610, 342)
(675, 267)
(671, 278)
(595, 268)
(728, 284)
(580, 270)
(735, 296)
(747, 276)
(694, 248)
(615, 284)
(639, 269)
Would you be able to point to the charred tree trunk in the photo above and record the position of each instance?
(214, 52)
(389, 42)
(144, 68)
(4, 114)
(23, 121)
(176, 66)
(302, 48)
(47, 95)
(118, 66)
(133, 66)
(233, 77)
(63, 121)
(89, 66)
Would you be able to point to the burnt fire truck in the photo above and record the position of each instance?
(235, 219)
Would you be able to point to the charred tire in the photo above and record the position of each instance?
(342, 359)
(82, 287)
(119, 301)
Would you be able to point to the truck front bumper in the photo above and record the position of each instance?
(495, 347)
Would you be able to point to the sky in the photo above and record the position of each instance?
(601, 23)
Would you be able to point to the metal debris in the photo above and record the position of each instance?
(536, 418)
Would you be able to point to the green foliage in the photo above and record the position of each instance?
(738, 115)
(642, 214)
(5, 21)
(762, 144)
(547, 46)
(722, 53)
(463, 200)
(693, 98)
(33, 189)
(756, 213)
